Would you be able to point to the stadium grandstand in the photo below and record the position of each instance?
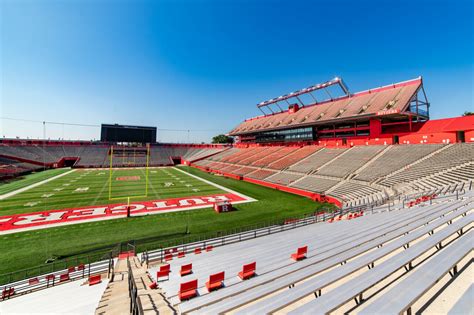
(391, 233)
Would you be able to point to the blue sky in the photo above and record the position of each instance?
(203, 65)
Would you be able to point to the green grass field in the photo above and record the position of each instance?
(32, 248)
(91, 187)
(29, 180)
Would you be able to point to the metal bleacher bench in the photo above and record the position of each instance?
(364, 232)
(465, 304)
(352, 289)
(404, 294)
(287, 297)
(243, 293)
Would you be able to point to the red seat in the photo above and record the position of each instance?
(168, 257)
(80, 267)
(197, 250)
(96, 279)
(153, 285)
(186, 269)
(71, 269)
(188, 290)
(162, 273)
(350, 216)
(215, 281)
(50, 278)
(300, 253)
(7, 293)
(209, 248)
(248, 271)
(175, 250)
(33, 281)
(64, 277)
(166, 267)
(181, 254)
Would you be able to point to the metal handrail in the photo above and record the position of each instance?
(136, 307)
(159, 254)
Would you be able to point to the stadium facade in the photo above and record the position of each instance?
(392, 114)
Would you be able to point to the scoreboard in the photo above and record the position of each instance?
(124, 133)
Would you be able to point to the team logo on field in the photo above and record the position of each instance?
(18, 222)
(128, 178)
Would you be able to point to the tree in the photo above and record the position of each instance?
(466, 113)
(222, 139)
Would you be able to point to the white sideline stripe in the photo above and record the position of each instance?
(217, 185)
(16, 192)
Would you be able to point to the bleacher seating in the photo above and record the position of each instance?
(97, 155)
(284, 178)
(335, 251)
(356, 174)
(351, 161)
(453, 155)
(315, 183)
(295, 156)
(396, 158)
(316, 160)
(11, 168)
(271, 156)
(261, 174)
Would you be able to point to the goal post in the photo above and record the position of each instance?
(128, 172)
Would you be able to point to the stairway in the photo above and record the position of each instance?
(115, 299)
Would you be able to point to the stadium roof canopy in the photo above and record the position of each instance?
(396, 101)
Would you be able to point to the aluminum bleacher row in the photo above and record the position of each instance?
(335, 267)
(355, 175)
(98, 155)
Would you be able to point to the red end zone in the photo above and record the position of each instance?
(38, 220)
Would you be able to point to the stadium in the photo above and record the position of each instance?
(329, 201)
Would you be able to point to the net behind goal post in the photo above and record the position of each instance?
(128, 172)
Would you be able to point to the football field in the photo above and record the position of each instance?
(31, 248)
(84, 188)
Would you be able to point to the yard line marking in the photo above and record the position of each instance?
(216, 185)
(82, 189)
(15, 192)
(31, 204)
(47, 195)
